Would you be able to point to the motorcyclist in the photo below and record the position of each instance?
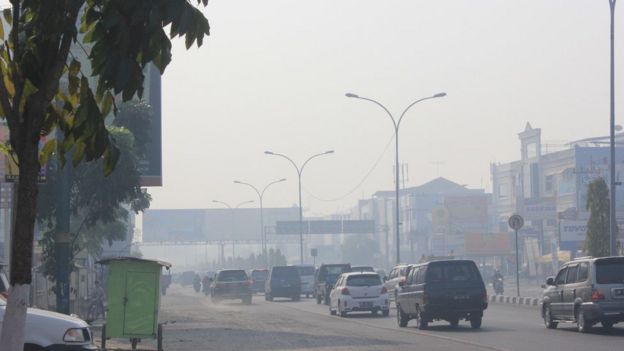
(497, 279)
(197, 283)
(206, 285)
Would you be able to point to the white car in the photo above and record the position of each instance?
(47, 330)
(359, 291)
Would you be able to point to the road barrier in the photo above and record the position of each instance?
(529, 301)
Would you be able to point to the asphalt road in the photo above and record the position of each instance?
(194, 323)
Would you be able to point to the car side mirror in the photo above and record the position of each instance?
(550, 281)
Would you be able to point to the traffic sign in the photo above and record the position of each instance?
(516, 222)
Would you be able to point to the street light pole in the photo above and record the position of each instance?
(232, 217)
(612, 219)
(260, 197)
(299, 171)
(396, 124)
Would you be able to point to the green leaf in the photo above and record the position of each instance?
(48, 149)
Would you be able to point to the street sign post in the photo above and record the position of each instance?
(516, 222)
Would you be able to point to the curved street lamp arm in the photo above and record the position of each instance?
(268, 185)
(314, 156)
(244, 202)
(410, 106)
(289, 159)
(394, 122)
(249, 185)
(222, 203)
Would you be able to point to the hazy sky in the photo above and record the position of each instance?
(273, 74)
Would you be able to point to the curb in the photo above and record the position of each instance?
(528, 301)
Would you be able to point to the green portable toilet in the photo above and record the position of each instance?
(133, 295)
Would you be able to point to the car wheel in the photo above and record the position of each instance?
(326, 299)
(385, 313)
(454, 322)
(475, 322)
(421, 323)
(32, 347)
(332, 312)
(548, 320)
(402, 318)
(340, 311)
(582, 324)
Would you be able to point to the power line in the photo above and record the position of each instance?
(354, 189)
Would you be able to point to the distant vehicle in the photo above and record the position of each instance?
(258, 279)
(186, 278)
(165, 281)
(359, 291)
(586, 291)
(283, 281)
(362, 269)
(498, 286)
(382, 273)
(397, 274)
(47, 330)
(442, 290)
(231, 284)
(306, 273)
(325, 278)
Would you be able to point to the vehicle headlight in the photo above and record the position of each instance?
(75, 335)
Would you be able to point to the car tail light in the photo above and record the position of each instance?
(597, 295)
(345, 291)
(384, 290)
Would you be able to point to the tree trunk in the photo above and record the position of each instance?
(12, 338)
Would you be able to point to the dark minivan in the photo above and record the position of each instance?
(442, 290)
(283, 281)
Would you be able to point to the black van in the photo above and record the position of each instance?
(442, 290)
(283, 281)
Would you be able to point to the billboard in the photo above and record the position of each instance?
(467, 209)
(487, 244)
(573, 234)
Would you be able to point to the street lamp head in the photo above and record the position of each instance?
(351, 95)
(329, 152)
(439, 95)
(237, 182)
(282, 180)
(268, 152)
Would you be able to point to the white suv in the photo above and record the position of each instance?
(359, 291)
(53, 331)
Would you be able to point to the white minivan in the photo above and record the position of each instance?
(46, 330)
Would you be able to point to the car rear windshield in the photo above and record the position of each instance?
(285, 272)
(362, 269)
(452, 272)
(610, 272)
(232, 276)
(308, 270)
(364, 280)
(259, 274)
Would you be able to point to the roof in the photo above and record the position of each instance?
(108, 260)
(348, 274)
(438, 185)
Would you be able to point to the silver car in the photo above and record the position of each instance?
(306, 272)
(586, 291)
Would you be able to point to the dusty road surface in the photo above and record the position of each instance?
(194, 323)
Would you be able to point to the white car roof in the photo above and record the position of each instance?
(350, 274)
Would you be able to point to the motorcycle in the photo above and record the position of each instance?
(498, 286)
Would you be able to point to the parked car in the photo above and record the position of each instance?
(325, 278)
(362, 269)
(306, 273)
(359, 291)
(53, 331)
(283, 281)
(396, 275)
(231, 284)
(586, 291)
(258, 279)
(448, 290)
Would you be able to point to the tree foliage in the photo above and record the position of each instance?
(597, 242)
(121, 38)
(99, 205)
